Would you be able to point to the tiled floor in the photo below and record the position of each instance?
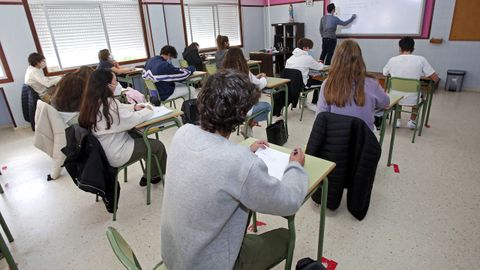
(425, 217)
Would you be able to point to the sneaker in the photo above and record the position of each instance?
(399, 123)
(143, 181)
(312, 107)
(411, 124)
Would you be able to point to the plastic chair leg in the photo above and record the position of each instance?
(303, 100)
(322, 218)
(115, 199)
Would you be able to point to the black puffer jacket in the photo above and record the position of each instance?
(349, 143)
(295, 86)
(88, 166)
(29, 104)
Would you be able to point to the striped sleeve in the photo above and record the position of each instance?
(182, 75)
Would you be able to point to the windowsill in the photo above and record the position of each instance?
(138, 62)
(215, 49)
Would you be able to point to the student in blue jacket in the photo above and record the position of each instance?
(166, 76)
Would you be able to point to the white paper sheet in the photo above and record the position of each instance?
(160, 111)
(275, 160)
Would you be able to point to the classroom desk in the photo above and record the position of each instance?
(153, 126)
(268, 59)
(133, 78)
(254, 65)
(279, 85)
(393, 106)
(193, 79)
(317, 169)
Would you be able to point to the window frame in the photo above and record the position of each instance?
(55, 73)
(6, 68)
(213, 48)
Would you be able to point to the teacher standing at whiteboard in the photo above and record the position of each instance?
(328, 29)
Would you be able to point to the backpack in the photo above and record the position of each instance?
(190, 113)
(309, 264)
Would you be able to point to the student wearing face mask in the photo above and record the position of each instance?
(166, 76)
(303, 61)
(110, 121)
(107, 62)
(36, 79)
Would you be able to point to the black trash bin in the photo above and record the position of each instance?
(454, 80)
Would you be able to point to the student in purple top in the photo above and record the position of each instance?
(349, 90)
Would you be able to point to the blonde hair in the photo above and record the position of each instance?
(346, 77)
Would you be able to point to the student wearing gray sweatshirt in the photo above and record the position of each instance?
(328, 31)
(212, 184)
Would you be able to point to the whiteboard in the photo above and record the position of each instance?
(380, 17)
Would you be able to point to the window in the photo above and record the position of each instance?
(5, 74)
(71, 33)
(205, 19)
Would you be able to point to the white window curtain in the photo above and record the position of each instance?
(72, 32)
(206, 19)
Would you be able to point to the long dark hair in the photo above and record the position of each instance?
(97, 93)
(68, 93)
(234, 59)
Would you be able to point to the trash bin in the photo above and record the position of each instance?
(454, 80)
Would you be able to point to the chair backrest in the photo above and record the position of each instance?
(183, 63)
(403, 85)
(122, 250)
(211, 69)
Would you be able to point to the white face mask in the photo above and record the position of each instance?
(43, 65)
(110, 57)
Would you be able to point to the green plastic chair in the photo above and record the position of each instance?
(409, 86)
(3, 245)
(150, 86)
(183, 63)
(303, 97)
(211, 69)
(125, 253)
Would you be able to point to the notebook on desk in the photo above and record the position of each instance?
(160, 111)
(275, 160)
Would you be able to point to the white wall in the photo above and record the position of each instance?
(17, 43)
(253, 33)
(449, 55)
(157, 22)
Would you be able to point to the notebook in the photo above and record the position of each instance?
(275, 160)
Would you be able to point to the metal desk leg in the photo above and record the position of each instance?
(323, 208)
(8, 256)
(291, 242)
(254, 224)
(285, 89)
(392, 139)
(430, 98)
(5, 229)
(382, 129)
(149, 163)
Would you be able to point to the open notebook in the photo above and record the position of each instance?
(159, 111)
(275, 160)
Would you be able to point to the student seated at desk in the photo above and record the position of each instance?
(109, 120)
(36, 79)
(303, 61)
(190, 54)
(234, 59)
(165, 75)
(409, 66)
(107, 62)
(213, 183)
(348, 89)
(222, 47)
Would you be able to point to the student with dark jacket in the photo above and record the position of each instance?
(190, 54)
(165, 75)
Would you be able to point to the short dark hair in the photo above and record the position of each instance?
(35, 58)
(330, 7)
(169, 50)
(304, 42)
(103, 55)
(224, 101)
(406, 44)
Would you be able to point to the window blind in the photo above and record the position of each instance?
(71, 32)
(204, 20)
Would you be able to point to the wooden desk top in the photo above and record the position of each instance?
(253, 62)
(394, 100)
(173, 114)
(197, 74)
(134, 71)
(317, 168)
(274, 82)
(379, 75)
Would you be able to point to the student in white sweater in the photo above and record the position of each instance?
(212, 184)
(409, 66)
(234, 59)
(36, 79)
(110, 121)
(303, 61)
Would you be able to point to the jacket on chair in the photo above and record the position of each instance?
(350, 143)
(88, 166)
(295, 86)
(29, 104)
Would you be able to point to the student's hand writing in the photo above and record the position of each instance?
(298, 155)
(139, 107)
(258, 144)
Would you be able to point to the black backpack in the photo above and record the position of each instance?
(309, 264)
(190, 113)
